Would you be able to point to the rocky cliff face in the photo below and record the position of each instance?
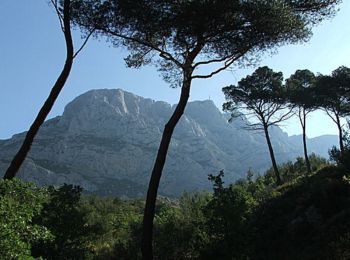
(106, 141)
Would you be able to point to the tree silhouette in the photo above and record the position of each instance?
(300, 94)
(333, 96)
(63, 13)
(260, 95)
(181, 37)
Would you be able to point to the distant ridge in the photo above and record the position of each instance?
(106, 141)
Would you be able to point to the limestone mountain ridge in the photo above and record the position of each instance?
(106, 141)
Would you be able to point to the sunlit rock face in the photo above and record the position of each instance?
(107, 139)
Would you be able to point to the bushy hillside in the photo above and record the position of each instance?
(308, 217)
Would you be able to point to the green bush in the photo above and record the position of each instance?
(63, 215)
(308, 217)
(228, 221)
(20, 202)
(342, 159)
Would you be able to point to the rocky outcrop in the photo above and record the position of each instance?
(106, 141)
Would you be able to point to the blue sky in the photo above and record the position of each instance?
(32, 52)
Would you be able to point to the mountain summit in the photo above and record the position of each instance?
(106, 141)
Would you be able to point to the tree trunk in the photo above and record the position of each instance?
(147, 245)
(272, 155)
(303, 125)
(340, 130)
(46, 108)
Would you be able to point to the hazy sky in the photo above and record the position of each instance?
(32, 53)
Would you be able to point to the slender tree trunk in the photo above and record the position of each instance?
(272, 155)
(340, 130)
(303, 125)
(46, 108)
(147, 245)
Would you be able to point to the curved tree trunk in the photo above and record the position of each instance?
(306, 156)
(147, 244)
(272, 155)
(46, 108)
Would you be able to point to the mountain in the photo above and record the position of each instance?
(106, 141)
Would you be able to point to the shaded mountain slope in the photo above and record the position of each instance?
(106, 141)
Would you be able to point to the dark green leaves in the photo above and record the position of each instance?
(188, 32)
(301, 89)
(19, 204)
(333, 91)
(261, 94)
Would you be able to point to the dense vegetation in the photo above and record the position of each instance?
(265, 97)
(298, 210)
(305, 218)
(185, 38)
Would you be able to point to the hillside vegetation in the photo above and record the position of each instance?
(308, 217)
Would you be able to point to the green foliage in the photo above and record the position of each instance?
(306, 218)
(301, 97)
(169, 221)
(67, 221)
(58, 223)
(19, 203)
(260, 94)
(292, 170)
(119, 225)
(300, 86)
(333, 91)
(341, 158)
(332, 94)
(340, 247)
(172, 34)
(228, 221)
(185, 222)
(182, 37)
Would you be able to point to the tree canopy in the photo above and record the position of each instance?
(261, 95)
(175, 34)
(300, 87)
(301, 95)
(183, 36)
(332, 92)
